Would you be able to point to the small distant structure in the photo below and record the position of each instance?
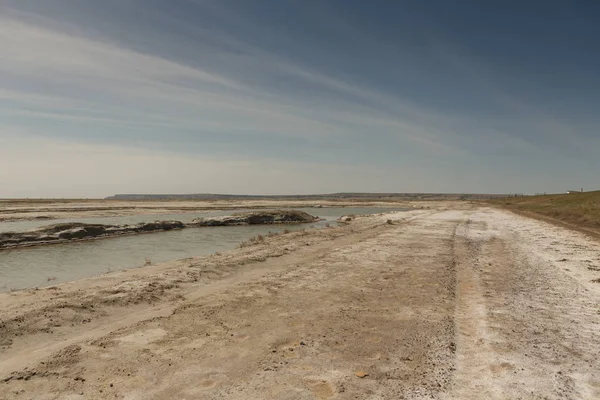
(574, 191)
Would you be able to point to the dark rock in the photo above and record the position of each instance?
(79, 231)
(158, 226)
(257, 218)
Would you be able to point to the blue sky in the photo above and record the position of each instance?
(303, 96)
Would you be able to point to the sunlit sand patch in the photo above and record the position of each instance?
(144, 337)
(321, 389)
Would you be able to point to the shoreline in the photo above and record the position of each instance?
(76, 232)
(14, 213)
(417, 307)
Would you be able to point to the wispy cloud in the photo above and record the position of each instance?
(241, 85)
(133, 88)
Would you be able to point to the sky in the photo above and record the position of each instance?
(298, 96)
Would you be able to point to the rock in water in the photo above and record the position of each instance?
(258, 218)
(59, 233)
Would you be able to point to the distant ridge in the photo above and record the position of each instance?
(332, 196)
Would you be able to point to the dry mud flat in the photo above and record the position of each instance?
(460, 303)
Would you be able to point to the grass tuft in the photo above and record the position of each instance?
(253, 240)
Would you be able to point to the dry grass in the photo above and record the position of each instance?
(258, 239)
(579, 209)
(253, 240)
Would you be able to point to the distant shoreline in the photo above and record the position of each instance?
(333, 196)
(30, 210)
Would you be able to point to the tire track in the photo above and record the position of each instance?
(474, 378)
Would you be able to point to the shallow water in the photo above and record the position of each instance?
(32, 267)
(20, 226)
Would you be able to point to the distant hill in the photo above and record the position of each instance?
(332, 196)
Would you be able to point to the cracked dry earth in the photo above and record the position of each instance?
(459, 302)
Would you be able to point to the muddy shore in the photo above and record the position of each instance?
(455, 302)
(76, 232)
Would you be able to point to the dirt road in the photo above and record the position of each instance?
(457, 302)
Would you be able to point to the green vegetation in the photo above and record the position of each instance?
(580, 209)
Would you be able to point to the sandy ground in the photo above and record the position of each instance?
(456, 302)
(22, 210)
